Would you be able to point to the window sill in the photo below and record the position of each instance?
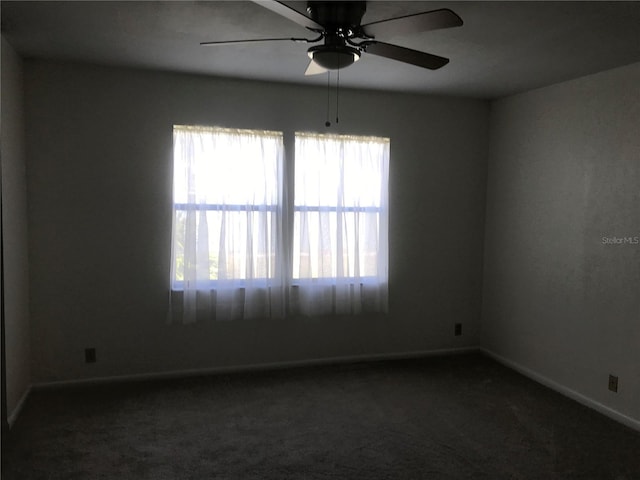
(269, 283)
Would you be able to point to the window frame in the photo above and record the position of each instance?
(274, 208)
(379, 210)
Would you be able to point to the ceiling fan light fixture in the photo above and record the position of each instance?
(334, 57)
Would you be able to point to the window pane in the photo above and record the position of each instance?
(221, 166)
(339, 170)
(319, 254)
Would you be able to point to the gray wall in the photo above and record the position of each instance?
(14, 229)
(564, 172)
(99, 150)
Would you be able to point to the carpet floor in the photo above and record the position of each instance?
(458, 417)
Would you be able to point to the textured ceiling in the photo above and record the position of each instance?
(502, 48)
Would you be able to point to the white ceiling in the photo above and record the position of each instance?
(502, 48)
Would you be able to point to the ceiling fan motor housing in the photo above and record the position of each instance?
(341, 21)
(335, 16)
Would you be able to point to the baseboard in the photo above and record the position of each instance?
(16, 411)
(567, 392)
(254, 367)
(578, 397)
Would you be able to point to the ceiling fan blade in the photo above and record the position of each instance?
(314, 69)
(290, 13)
(254, 40)
(406, 55)
(418, 22)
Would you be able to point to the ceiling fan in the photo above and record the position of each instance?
(338, 25)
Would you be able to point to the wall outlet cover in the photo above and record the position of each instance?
(90, 355)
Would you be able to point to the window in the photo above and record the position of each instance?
(237, 254)
(340, 238)
(227, 240)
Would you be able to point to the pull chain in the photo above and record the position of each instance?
(328, 123)
(338, 96)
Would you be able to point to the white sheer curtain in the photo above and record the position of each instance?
(340, 234)
(227, 248)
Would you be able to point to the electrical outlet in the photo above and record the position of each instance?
(90, 355)
(458, 329)
(613, 383)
